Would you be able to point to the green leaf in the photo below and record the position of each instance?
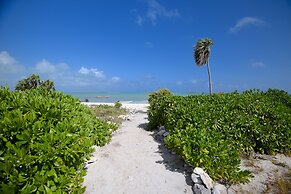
(48, 190)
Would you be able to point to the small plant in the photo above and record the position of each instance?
(281, 184)
(249, 162)
(117, 105)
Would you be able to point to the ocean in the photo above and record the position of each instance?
(134, 98)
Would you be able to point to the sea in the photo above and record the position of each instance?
(131, 97)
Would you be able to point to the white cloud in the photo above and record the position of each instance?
(115, 79)
(6, 59)
(83, 78)
(46, 67)
(11, 71)
(93, 71)
(179, 83)
(84, 70)
(155, 10)
(258, 64)
(246, 21)
(98, 74)
(8, 64)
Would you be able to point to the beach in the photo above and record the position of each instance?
(138, 107)
(134, 161)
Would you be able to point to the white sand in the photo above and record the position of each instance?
(137, 107)
(265, 169)
(134, 163)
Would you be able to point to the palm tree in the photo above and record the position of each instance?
(34, 82)
(201, 56)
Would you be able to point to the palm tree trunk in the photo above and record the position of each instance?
(209, 77)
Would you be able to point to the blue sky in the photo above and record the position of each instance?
(145, 45)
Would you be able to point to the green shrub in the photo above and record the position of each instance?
(117, 105)
(206, 148)
(211, 131)
(45, 139)
(158, 104)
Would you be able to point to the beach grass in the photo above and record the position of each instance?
(109, 113)
(281, 184)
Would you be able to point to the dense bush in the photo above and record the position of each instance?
(158, 102)
(211, 131)
(45, 138)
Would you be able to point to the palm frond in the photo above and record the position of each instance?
(202, 51)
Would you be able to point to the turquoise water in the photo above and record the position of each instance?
(134, 98)
(112, 97)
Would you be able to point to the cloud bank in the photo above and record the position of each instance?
(8, 64)
(11, 71)
(45, 67)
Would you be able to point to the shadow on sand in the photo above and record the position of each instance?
(172, 161)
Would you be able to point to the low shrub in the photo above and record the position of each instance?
(45, 138)
(211, 131)
(117, 105)
(158, 104)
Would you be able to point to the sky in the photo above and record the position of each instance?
(146, 45)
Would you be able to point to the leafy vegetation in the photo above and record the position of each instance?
(210, 131)
(158, 104)
(45, 138)
(117, 105)
(34, 82)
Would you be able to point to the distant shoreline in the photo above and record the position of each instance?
(102, 97)
(133, 98)
(140, 106)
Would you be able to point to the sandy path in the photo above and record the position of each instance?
(135, 163)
